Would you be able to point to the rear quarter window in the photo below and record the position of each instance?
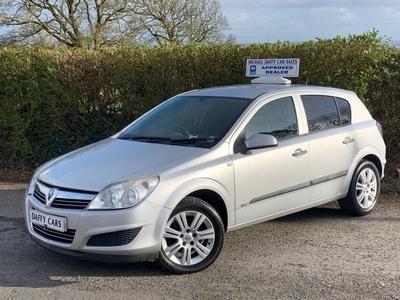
(344, 110)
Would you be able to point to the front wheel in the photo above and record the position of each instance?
(364, 190)
(193, 237)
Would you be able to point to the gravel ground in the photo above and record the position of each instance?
(316, 254)
(7, 186)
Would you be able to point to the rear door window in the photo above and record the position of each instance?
(324, 112)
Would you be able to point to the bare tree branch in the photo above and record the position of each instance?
(74, 23)
(183, 21)
(97, 23)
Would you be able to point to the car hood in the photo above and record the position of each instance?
(95, 166)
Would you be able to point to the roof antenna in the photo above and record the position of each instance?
(309, 72)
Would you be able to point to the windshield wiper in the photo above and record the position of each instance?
(144, 138)
(158, 139)
(210, 139)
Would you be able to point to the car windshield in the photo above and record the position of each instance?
(191, 120)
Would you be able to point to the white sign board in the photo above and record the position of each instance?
(48, 221)
(282, 67)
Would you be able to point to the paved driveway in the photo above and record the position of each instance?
(316, 254)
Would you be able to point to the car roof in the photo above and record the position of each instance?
(252, 91)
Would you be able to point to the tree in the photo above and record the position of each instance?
(97, 23)
(183, 21)
(74, 23)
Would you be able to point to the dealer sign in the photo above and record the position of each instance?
(283, 67)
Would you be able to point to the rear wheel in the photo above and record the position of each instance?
(193, 237)
(364, 190)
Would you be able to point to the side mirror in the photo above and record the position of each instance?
(258, 140)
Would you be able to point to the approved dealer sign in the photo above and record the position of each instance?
(283, 67)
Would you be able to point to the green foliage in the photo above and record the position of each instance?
(54, 101)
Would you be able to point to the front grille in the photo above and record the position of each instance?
(116, 238)
(39, 195)
(70, 203)
(54, 235)
(63, 198)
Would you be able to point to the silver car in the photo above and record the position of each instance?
(171, 184)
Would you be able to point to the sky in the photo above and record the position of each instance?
(261, 21)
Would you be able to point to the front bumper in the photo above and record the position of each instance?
(95, 235)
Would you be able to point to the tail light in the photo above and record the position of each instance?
(379, 128)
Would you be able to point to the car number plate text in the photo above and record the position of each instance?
(48, 221)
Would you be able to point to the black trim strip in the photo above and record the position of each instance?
(281, 192)
(300, 186)
(329, 177)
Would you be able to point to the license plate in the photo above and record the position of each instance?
(48, 221)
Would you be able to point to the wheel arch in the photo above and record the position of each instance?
(376, 161)
(367, 153)
(215, 200)
(209, 191)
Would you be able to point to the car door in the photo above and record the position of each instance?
(332, 143)
(272, 180)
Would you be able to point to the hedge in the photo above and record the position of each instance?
(55, 100)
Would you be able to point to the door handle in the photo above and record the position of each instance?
(299, 152)
(348, 140)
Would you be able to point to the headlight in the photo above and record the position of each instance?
(32, 183)
(124, 194)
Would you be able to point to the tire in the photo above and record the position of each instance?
(193, 237)
(364, 190)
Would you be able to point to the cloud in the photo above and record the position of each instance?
(389, 13)
(292, 4)
(242, 17)
(303, 20)
(331, 15)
